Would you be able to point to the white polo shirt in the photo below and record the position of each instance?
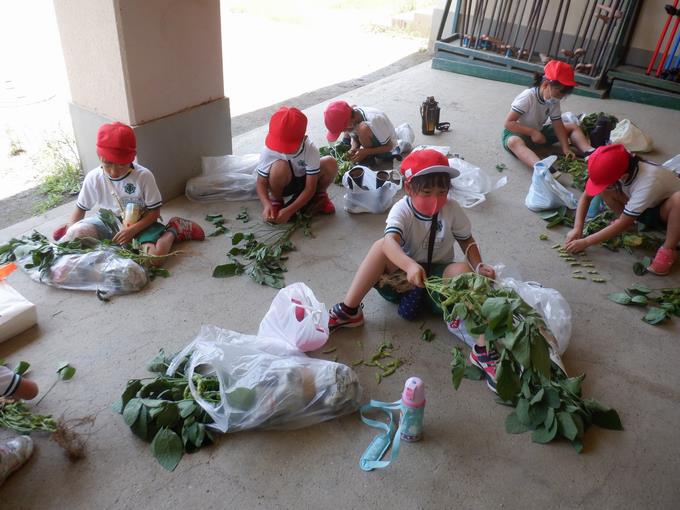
(533, 109)
(414, 230)
(306, 161)
(380, 125)
(9, 381)
(648, 187)
(138, 186)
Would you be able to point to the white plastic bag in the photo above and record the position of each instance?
(674, 164)
(405, 137)
(545, 193)
(472, 185)
(224, 178)
(17, 314)
(631, 136)
(297, 317)
(571, 118)
(371, 200)
(102, 271)
(266, 382)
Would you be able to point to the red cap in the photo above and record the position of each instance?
(426, 161)
(556, 70)
(336, 117)
(606, 166)
(287, 129)
(117, 143)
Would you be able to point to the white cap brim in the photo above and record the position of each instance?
(438, 169)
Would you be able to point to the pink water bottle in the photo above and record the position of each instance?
(412, 410)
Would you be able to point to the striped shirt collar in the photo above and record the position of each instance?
(537, 91)
(119, 178)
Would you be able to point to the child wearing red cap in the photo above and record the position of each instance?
(118, 184)
(291, 166)
(370, 132)
(525, 125)
(420, 232)
(636, 190)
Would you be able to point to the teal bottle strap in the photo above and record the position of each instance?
(370, 459)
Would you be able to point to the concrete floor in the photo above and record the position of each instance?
(466, 459)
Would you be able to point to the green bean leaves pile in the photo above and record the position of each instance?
(546, 401)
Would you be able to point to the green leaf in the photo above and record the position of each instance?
(549, 418)
(473, 373)
(639, 299)
(427, 335)
(602, 416)
(226, 270)
(167, 448)
(186, 408)
(544, 435)
(566, 424)
(537, 414)
(130, 391)
(573, 384)
(620, 297)
(495, 310)
(522, 351)
(540, 357)
(513, 425)
(578, 445)
(522, 411)
(140, 427)
(242, 398)
(546, 215)
(507, 381)
(537, 397)
(640, 269)
(457, 367)
(157, 364)
(66, 372)
(22, 367)
(169, 415)
(640, 289)
(655, 315)
(460, 311)
(131, 411)
(552, 397)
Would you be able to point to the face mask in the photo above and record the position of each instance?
(428, 206)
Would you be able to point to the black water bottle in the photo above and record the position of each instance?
(600, 133)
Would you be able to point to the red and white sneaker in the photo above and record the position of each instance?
(186, 230)
(486, 361)
(338, 318)
(321, 204)
(663, 261)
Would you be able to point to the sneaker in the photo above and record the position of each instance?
(341, 319)
(13, 454)
(664, 259)
(321, 204)
(458, 329)
(186, 230)
(486, 361)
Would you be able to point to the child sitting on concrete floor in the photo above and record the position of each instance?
(291, 166)
(525, 125)
(120, 185)
(635, 190)
(421, 229)
(369, 131)
(16, 451)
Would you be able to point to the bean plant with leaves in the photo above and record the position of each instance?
(261, 252)
(161, 410)
(339, 152)
(577, 168)
(546, 400)
(662, 303)
(627, 240)
(588, 122)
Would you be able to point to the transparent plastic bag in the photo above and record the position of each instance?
(473, 184)
(545, 193)
(373, 199)
(674, 164)
(405, 138)
(296, 316)
(224, 178)
(102, 271)
(266, 382)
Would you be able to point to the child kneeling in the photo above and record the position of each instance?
(421, 229)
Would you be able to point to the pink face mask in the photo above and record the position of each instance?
(429, 205)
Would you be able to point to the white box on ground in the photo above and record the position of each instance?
(17, 314)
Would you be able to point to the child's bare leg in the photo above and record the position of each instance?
(162, 247)
(577, 137)
(280, 175)
(329, 169)
(670, 213)
(373, 266)
(523, 153)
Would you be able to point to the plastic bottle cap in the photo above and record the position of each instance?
(414, 392)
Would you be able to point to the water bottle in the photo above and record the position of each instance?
(412, 409)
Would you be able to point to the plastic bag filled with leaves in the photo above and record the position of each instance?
(546, 401)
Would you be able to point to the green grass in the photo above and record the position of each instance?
(62, 175)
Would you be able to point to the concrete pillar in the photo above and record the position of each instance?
(155, 65)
